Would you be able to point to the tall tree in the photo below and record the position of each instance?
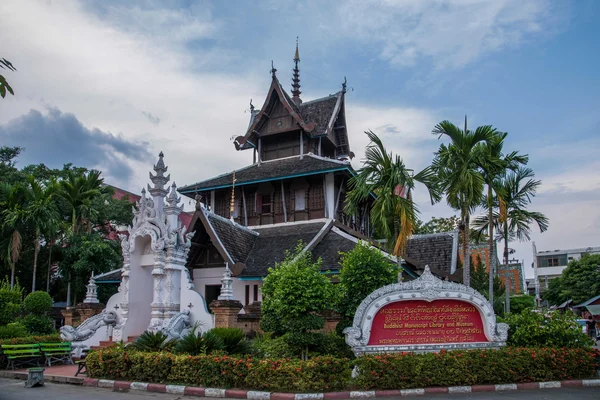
(79, 191)
(494, 164)
(393, 213)
(514, 194)
(42, 215)
(12, 202)
(579, 282)
(295, 293)
(456, 167)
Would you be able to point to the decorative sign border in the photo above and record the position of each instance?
(429, 288)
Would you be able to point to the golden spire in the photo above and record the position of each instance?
(297, 55)
(232, 202)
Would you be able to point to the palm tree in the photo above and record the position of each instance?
(42, 214)
(457, 170)
(514, 193)
(12, 200)
(494, 165)
(79, 191)
(384, 175)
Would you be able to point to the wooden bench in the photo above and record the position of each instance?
(57, 352)
(22, 354)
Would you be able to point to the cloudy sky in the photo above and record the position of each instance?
(110, 84)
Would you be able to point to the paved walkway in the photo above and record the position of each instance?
(11, 389)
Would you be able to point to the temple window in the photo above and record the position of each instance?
(266, 203)
(300, 203)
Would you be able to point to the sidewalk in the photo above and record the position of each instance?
(56, 373)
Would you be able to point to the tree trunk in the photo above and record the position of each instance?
(49, 268)
(490, 247)
(12, 275)
(69, 290)
(466, 252)
(35, 257)
(74, 219)
(507, 280)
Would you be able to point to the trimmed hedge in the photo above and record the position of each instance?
(321, 374)
(475, 367)
(27, 340)
(317, 374)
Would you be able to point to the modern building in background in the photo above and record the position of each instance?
(550, 264)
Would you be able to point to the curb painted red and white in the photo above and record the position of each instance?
(258, 395)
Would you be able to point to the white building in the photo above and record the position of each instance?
(550, 264)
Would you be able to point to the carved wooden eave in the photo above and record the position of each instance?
(428, 288)
(201, 214)
(248, 140)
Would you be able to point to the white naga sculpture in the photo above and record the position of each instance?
(87, 329)
(178, 326)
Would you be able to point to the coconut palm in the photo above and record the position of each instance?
(494, 164)
(42, 215)
(393, 213)
(456, 167)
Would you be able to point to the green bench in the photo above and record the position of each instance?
(57, 352)
(22, 354)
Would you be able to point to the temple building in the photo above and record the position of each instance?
(293, 191)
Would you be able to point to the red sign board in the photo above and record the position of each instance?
(414, 322)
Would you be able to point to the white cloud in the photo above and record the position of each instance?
(70, 59)
(452, 33)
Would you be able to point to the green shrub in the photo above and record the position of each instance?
(294, 293)
(520, 303)
(28, 340)
(38, 302)
(390, 371)
(332, 344)
(234, 340)
(152, 341)
(211, 371)
(53, 338)
(10, 302)
(37, 324)
(196, 344)
(364, 269)
(473, 367)
(547, 329)
(318, 374)
(13, 330)
(266, 346)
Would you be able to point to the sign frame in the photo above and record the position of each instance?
(428, 288)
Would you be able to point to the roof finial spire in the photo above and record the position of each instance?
(273, 69)
(344, 85)
(296, 78)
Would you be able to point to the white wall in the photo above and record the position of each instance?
(141, 291)
(213, 276)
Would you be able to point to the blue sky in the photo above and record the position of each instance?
(109, 84)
